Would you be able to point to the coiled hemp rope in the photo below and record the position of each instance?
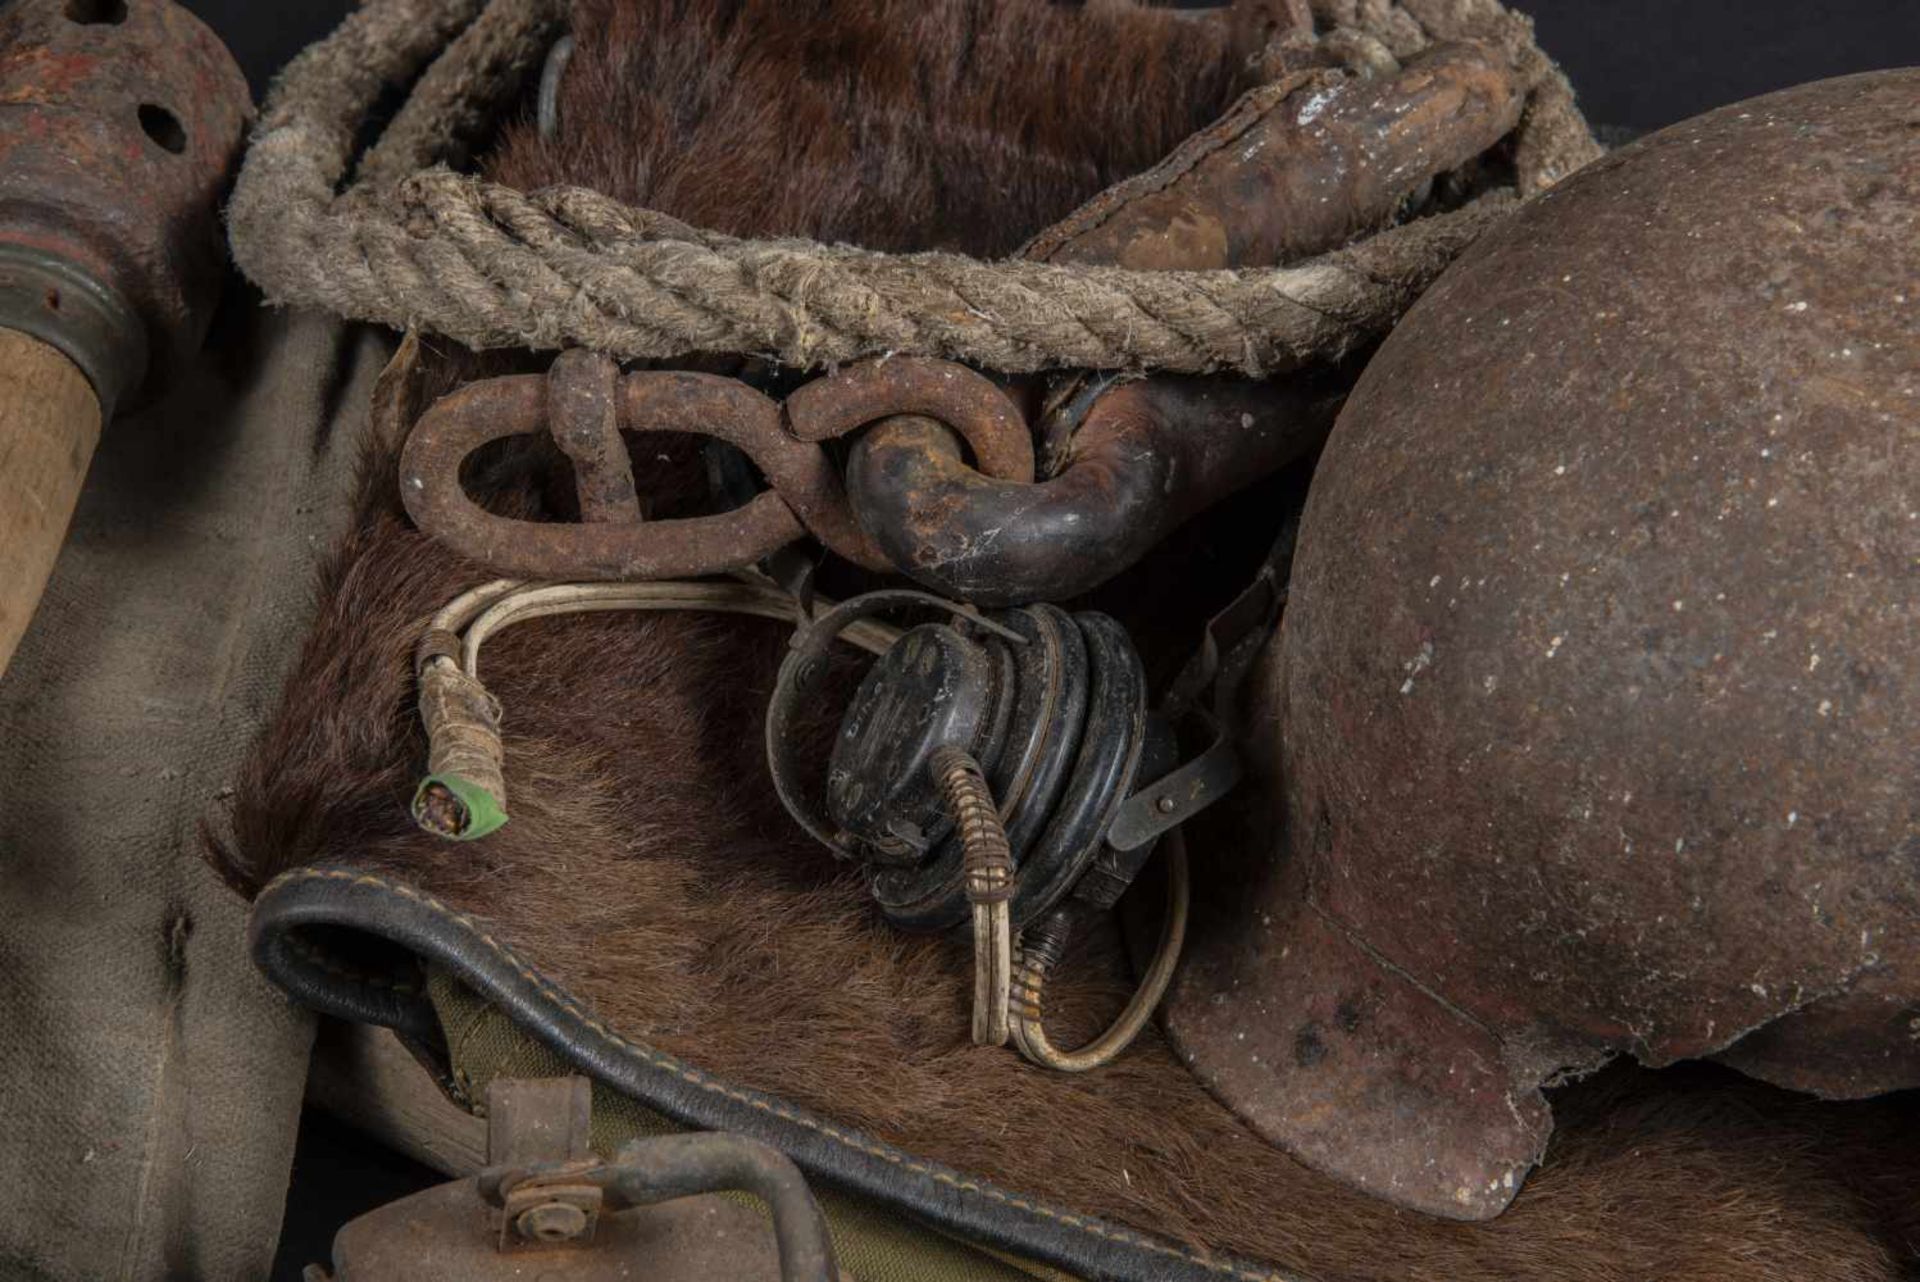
(415, 245)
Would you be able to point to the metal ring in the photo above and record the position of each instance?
(547, 113)
(86, 320)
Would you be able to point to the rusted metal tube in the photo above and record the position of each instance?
(1150, 455)
(667, 1167)
(1297, 168)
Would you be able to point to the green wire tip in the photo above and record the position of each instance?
(457, 809)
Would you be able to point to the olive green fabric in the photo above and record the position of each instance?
(873, 1242)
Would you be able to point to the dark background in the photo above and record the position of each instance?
(1636, 64)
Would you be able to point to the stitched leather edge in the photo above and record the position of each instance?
(340, 897)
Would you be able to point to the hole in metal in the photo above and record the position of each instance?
(163, 127)
(91, 12)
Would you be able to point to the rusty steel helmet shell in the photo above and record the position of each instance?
(1593, 726)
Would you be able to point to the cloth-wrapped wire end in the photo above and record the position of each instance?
(464, 795)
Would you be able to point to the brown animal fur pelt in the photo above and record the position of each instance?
(895, 124)
(650, 869)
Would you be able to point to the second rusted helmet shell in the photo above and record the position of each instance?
(1593, 726)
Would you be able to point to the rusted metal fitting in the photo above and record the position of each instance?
(551, 1205)
(1149, 455)
(545, 1206)
(119, 123)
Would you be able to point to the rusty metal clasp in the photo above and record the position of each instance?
(1147, 456)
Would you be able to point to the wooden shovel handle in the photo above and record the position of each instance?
(49, 425)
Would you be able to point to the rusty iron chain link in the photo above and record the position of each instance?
(585, 404)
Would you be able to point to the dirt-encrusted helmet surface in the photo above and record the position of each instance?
(1593, 726)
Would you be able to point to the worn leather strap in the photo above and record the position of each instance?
(306, 920)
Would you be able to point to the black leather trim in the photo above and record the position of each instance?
(300, 919)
